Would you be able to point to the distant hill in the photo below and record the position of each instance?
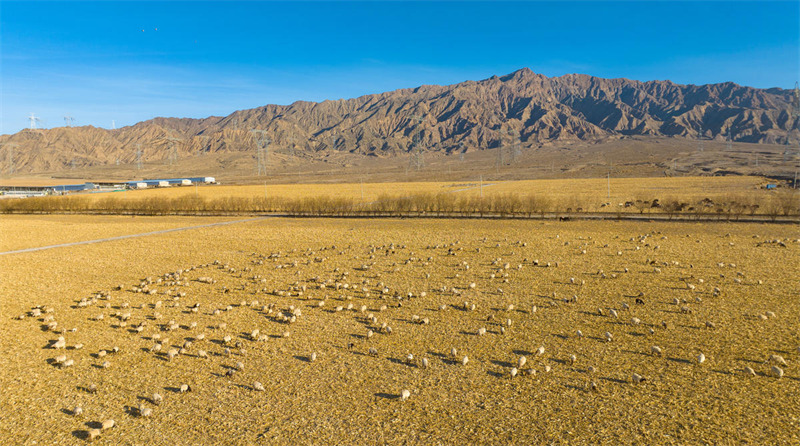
(523, 108)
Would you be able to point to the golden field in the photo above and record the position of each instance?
(347, 396)
(593, 191)
(689, 197)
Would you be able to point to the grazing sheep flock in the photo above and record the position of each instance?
(321, 332)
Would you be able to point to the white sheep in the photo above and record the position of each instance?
(776, 371)
(655, 350)
(405, 394)
(777, 359)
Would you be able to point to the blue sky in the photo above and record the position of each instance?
(100, 61)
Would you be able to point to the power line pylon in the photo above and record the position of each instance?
(262, 152)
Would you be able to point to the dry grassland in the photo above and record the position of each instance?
(347, 396)
(593, 191)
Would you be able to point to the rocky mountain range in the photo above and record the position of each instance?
(522, 109)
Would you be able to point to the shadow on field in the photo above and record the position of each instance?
(388, 396)
(635, 352)
(614, 380)
(501, 363)
(445, 358)
(681, 360)
(81, 434)
(574, 387)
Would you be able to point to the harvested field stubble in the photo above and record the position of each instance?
(264, 273)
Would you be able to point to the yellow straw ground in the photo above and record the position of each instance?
(347, 396)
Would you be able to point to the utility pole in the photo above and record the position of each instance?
(481, 186)
(138, 156)
(609, 185)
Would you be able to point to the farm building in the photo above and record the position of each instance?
(42, 188)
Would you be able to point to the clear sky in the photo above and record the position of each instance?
(100, 61)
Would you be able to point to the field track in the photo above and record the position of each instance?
(121, 237)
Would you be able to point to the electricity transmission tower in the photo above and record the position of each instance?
(173, 148)
(69, 120)
(138, 157)
(700, 143)
(262, 153)
(417, 160)
(729, 140)
(334, 142)
(34, 119)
